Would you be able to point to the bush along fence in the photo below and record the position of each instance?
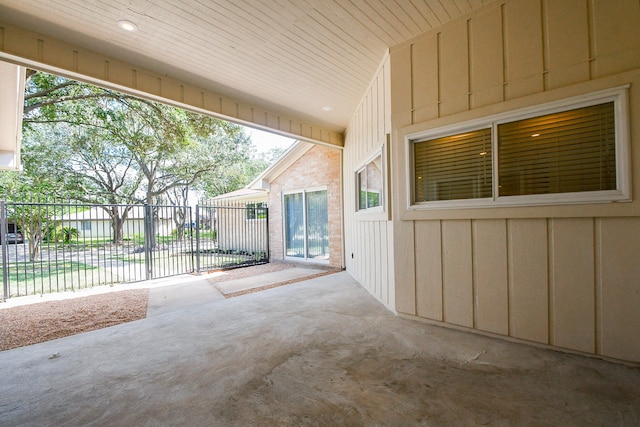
(55, 246)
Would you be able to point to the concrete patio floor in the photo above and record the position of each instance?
(318, 352)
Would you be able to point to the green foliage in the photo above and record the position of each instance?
(56, 233)
(50, 233)
(28, 273)
(208, 235)
(84, 141)
(60, 234)
(33, 220)
(97, 145)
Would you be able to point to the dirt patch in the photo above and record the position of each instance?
(44, 321)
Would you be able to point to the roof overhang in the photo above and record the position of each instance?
(289, 157)
(297, 68)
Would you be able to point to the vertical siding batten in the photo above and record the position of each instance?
(591, 39)
(597, 295)
(543, 43)
(552, 284)
(469, 61)
(503, 39)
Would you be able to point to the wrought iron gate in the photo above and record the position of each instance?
(52, 247)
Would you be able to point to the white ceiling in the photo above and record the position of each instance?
(295, 56)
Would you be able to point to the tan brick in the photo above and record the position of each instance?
(317, 168)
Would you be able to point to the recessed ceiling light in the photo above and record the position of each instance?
(535, 135)
(127, 25)
(327, 108)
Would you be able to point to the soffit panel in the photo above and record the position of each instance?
(294, 55)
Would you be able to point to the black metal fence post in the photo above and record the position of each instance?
(266, 219)
(148, 246)
(3, 242)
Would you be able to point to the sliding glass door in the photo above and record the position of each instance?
(306, 225)
(294, 225)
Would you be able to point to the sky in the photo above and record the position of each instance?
(265, 141)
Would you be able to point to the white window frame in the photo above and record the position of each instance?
(363, 167)
(378, 212)
(622, 193)
(304, 192)
(255, 209)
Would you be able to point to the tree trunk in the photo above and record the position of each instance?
(117, 222)
(31, 223)
(35, 243)
(179, 215)
(151, 235)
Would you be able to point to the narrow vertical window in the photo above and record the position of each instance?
(370, 184)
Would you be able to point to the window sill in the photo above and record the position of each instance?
(371, 215)
(525, 201)
(307, 260)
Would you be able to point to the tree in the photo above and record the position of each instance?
(112, 147)
(84, 165)
(179, 198)
(29, 215)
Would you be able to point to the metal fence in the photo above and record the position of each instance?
(52, 247)
(240, 235)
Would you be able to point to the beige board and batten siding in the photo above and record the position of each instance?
(559, 275)
(368, 236)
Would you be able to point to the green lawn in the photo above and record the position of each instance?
(91, 267)
(29, 278)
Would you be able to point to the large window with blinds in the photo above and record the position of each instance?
(567, 152)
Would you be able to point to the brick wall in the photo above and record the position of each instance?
(317, 168)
